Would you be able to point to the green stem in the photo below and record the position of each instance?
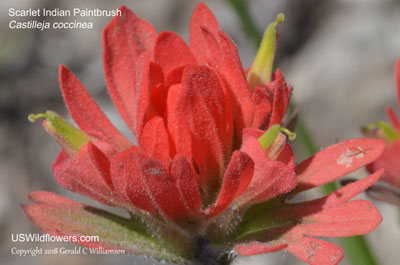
(356, 247)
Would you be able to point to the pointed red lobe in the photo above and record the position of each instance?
(186, 181)
(201, 16)
(315, 252)
(174, 76)
(287, 157)
(128, 178)
(155, 75)
(86, 113)
(154, 140)
(226, 62)
(200, 107)
(236, 78)
(397, 73)
(158, 91)
(236, 179)
(261, 99)
(171, 51)
(226, 138)
(270, 178)
(87, 174)
(343, 194)
(280, 100)
(126, 39)
(255, 248)
(101, 163)
(336, 161)
(393, 118)
(347, 219)
(211, 46)
(158, 98)
(47, 197)
(68, 179)
(163, 191)
(144, 81)
(180, 133)
(146, 184)
(389, 160)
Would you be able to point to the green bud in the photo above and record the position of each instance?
(67, 135)
(260, 72)
(385, 130)
(269, 137)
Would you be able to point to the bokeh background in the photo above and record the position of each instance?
(338, 55)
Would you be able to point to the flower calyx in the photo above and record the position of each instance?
(67, 135)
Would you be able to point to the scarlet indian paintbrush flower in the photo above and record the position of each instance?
(212, 173)
(389, 160)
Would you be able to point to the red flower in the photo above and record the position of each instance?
(389, 160)
(212, 170)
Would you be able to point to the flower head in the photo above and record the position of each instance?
(212, 170)
(390, 133)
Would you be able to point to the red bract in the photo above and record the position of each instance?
(211, 171)
(389, 160)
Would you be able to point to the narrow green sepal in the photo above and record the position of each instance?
(269, 137)
(291, 135)
(385, 130)
(67, 135)
(261, 70)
